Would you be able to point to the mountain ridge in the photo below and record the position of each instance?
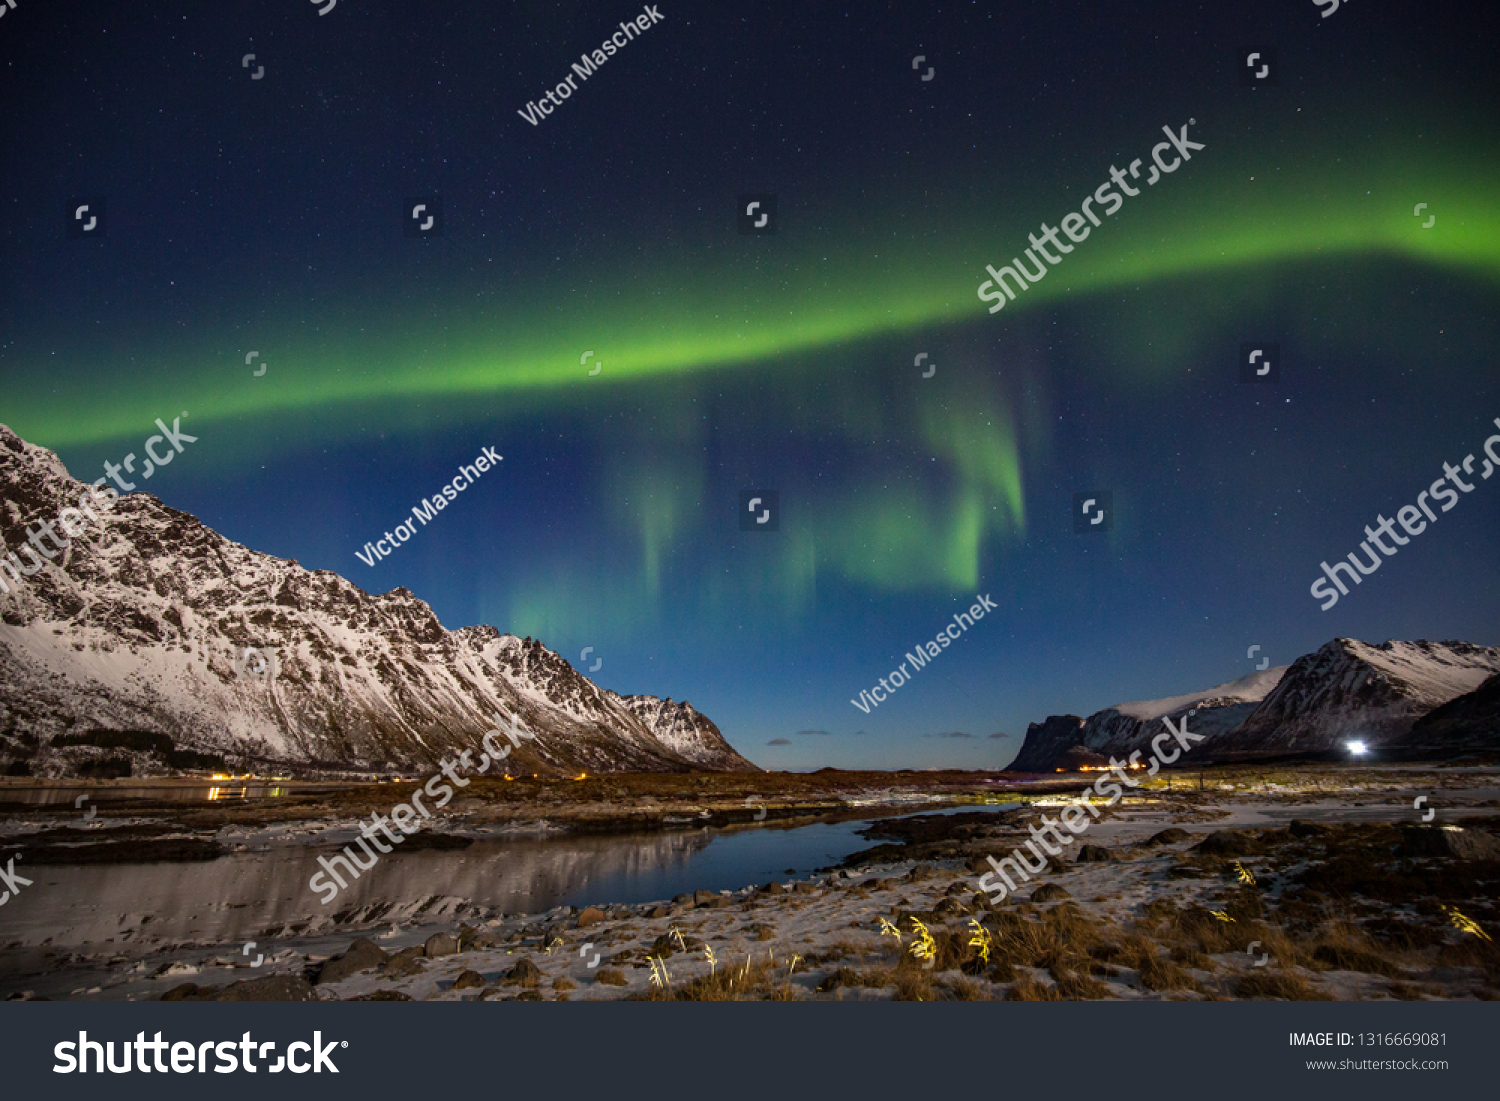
(148, 620)
(1345, 690)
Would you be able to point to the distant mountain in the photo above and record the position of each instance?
(1352, 690)
(142, 622)
(1047, 742)
(1117, 731)
(685, 731)
(1466, 724)
(1345, 691)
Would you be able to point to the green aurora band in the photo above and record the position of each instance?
(1209, 219)
(1198, 227)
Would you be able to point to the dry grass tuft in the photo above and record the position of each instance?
(1279, 984)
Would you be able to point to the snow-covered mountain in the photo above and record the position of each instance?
(1346, 690)
(1467, 723)
(1350, 689)
(1117, 731)
(684, 730)
(142, 622)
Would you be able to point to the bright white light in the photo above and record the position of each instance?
(1357, 748)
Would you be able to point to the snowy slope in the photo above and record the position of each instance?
(141, 626)
(1351, 689)
(1119, 730)
(1467, 723)
(1347, 689)
(684, 730)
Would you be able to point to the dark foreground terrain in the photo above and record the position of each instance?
(1306, 883)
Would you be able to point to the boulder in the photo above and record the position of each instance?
(590, 915)
(1166, 837)
(1049, 891)
(381, 996)
(524, 972)
(1095, 854)
(773, 889)
(469, 980)
(362, 955)
(1227, 843)
(705, 898)
(408, 961)
(1299, 828)
(440, 944)
(1451, 841)
(659, 912)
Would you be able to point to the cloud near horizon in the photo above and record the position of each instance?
(779, 741)
(949, 734)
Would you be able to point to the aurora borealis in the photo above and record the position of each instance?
(264, 216)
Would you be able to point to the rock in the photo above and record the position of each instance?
(1166, 837)
(527, 996)
(1095, 854)
(362, 955)
(719, 903)
(659, 912)
(272, 988)
(609, 976)
(590, 915)
(469, 980)
(1227, 843)
(408, 961)
(440, 944)
(773, 889)
(682, 900)
(1049, 891)
(381, 996)
(802, 887)
(188, 992)
(1450, 841)
(524, 972)
(1299, 828)
(705, 898)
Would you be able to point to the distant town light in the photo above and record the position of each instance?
(1357, 748)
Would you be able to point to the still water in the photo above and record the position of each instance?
(245, 894)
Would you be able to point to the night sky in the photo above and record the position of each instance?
(270, 215)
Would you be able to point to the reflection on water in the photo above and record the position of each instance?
(242, 896)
